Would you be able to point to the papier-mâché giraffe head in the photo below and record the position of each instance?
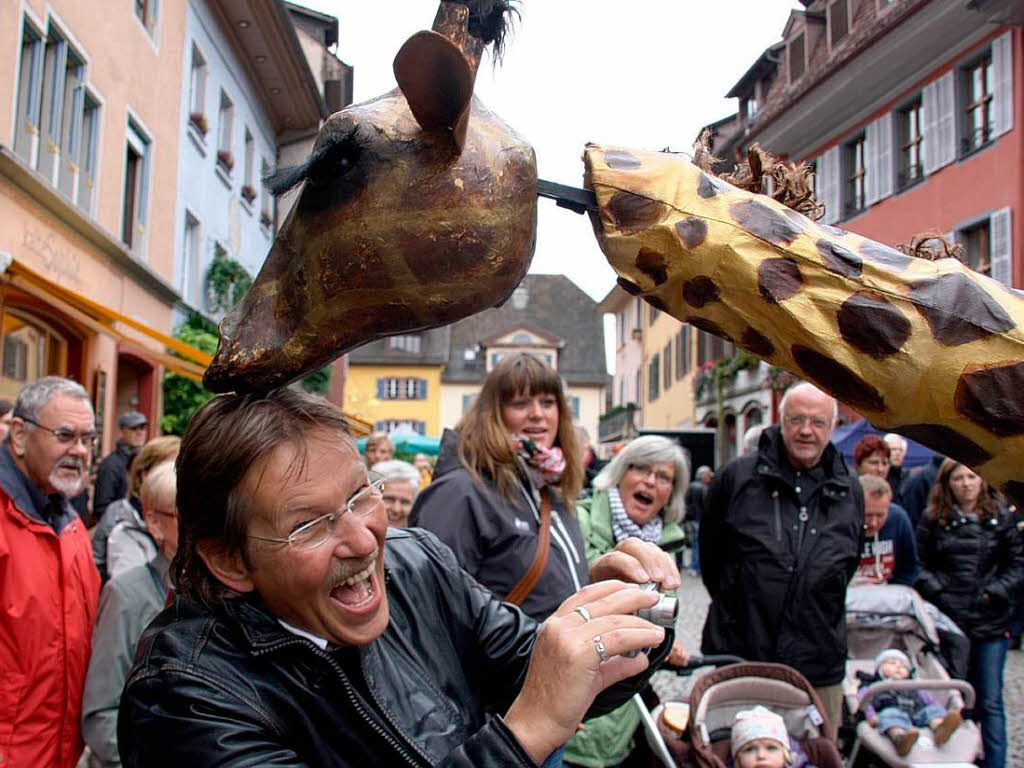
(406, 200)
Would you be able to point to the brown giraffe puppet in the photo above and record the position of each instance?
(929, 349)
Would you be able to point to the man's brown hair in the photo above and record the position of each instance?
(224, 438)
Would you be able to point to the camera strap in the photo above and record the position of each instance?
(522, 589)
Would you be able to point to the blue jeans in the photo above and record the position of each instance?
(894, 717)
(556, 759)
(695, 556)
(985, 673)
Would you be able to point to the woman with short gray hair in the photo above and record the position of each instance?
(639, 493)
(401, 484)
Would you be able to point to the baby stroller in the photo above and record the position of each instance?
(719, 695)
(889, 616)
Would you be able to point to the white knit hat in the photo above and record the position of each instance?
(892, 653)
(758, 723)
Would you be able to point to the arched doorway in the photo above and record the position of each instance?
(34, 347)
(136, 377)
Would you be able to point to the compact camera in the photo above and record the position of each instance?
(663, 613)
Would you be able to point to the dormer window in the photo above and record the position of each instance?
(751, 106)
(838, 21)
(797, 53)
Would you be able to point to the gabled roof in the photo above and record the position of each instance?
(558, 308)
(433, 350)
(766, 65)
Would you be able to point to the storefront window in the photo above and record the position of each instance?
(31, 350)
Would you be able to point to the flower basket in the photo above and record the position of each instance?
(248, 193)
(265, 219)
(225, 160)
(198, 121)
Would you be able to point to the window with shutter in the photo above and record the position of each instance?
(1002, 86)
(938, 107)
(829, 184)
(838, 21)
(667, 367)
(1000, 226)
(977, 89)
(797, 61)
(884, 160)
(421, 389)
(654, 378)
(855, 176)
(381, 384)
(908, 121)
(977, 241)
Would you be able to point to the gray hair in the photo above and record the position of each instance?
(892, 439)
(875, 486)
(752, 436)
(803, 385)
(35, 396)
(647, 450)
(397, 471)
(702, 471)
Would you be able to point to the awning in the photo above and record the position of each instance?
(101, 319)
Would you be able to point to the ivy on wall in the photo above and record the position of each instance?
(226, 283)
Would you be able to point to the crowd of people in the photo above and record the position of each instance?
(259, 593)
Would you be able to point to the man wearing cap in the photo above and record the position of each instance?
(112, 476)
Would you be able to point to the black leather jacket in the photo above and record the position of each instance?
(769, 602)
(971, 570)
(229, 685)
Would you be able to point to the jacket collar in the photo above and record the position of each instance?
(27, 497)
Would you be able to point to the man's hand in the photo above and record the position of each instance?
(637, 561)
(566, 670)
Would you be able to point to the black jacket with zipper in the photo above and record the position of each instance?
(496, 539)
(228, 685)
(971, 570)
(771, 601)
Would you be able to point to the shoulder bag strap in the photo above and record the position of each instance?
(540, 560)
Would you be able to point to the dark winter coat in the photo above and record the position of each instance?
(970, 570)
(112, 478)
(769, 602)
(496, 539)
(229, 685)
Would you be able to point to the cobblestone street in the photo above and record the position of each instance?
(693, 599)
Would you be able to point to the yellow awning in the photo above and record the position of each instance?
(101, 319)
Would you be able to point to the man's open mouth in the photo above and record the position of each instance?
(358, 589)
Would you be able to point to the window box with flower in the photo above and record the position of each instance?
(198, 121)
(266, 220)
(224, 160)
(248, 193)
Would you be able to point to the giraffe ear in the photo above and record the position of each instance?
(437, 82)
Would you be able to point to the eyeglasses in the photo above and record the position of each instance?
(661, 478)
(799, 421)
(67, 436)
(312, 534)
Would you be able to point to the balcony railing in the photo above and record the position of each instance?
(909, 176)
(617, 423)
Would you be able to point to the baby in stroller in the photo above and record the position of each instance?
(896, 712)
(760, 740)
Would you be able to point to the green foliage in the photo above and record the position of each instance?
(226, 283)
(319, 382)
(722, 371)
(182, 396)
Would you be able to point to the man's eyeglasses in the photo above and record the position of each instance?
(67, 436)
(312, 534)
(798, 421)
(661, 478)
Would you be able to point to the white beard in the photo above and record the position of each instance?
(68, 487)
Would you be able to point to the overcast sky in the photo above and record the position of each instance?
(645, 74)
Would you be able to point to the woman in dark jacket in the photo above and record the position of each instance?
(516, 452)
(972, 561)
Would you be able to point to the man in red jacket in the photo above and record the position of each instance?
(49, 585)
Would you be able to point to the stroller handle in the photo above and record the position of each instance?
(961, 686)
(696, 662)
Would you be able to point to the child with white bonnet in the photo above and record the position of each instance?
(760, 740)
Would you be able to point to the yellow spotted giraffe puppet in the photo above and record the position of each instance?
(928, 349)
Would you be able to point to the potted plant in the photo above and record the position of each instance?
(198, 121)
(248, 193)
(225, 160)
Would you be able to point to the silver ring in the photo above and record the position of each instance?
(601, 650)
(584, 613)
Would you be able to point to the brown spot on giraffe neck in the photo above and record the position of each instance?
(778, 279)
(709, 326)
(621, 160)
(629, 286)
(652, 264)
(950, 442)
(839, 259)
(764, 222)
(757, 343)
(872, 325)
(631, 213)
(958, 310)
(692, 231)
(836, 378)
(993, 398)
(700, 291)
(884, 255)
(657, 302)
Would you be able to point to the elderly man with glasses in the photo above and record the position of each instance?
(780, 539)
(49, 585)
(305, 632)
